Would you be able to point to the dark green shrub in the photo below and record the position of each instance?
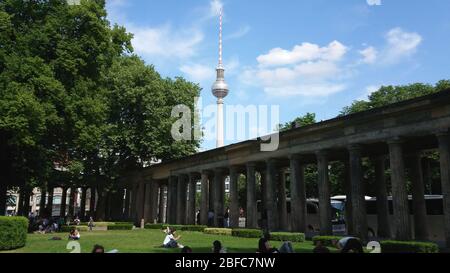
(247, 233)
(120, 227)
(218, 231)
(69, 228)
(408, 247)
(198, 228)
(326, 240)
(13, 232)
(287, 236)
(153, 226)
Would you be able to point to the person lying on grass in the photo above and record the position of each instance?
(170, 241)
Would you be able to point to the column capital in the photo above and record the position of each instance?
(295, 156)
(251, 164)
(271, 161)
(207, 172)
(442, 133)
(322, 153)
(354, 147)
(395, 141)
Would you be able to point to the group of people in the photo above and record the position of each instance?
(345, 245)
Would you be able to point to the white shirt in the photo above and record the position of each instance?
(168, 238)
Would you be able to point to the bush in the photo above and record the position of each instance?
(218, 231)
(408, 247)
(186, 227)
(287, 236)
(13, 232)
(120, 227)
(69, 228)
(247, 233)
(153, 226)
(326, 240)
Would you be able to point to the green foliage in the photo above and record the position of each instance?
(68, 229)
(327, 241)
(153, 226)
(247, 233)
(287, 236)
(408, 247)
(120, 227)
(13, 232)
(198, 228)
(218, 231)
(307, 119)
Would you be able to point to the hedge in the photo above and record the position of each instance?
(198, 228)
(69, 228)
(120, 227)
(326, 240)
(13, 232)
(247, 233)
(218, 231)
(408, 247)
(153, 226)
(287, 236)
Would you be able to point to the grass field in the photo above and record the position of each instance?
(146, 241)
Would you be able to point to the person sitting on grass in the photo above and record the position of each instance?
(287, 248)
(74, 235)
(186, 249)
(264, 247)
(349, 245)
(170, 241)
(320, 248)
(98, 249)
(217, 247)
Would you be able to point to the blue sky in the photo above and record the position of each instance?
(303, 55)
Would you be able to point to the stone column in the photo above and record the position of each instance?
(181, 199)
(191, 200)
(234, 197)
(171, 213)
(348, 199)
(324, 194)
(126, 206)
(358, 194)
(51, 190)
(282, 204)
(204, 203)
(219, 197)
(384, 230)
(444, 154)
(148, 203)
(92, 202)
(251, 219)
(154, 202)
(42, 202)
(140, 201)
(298, 195)
(211, 192)
(133, 202)
(270, 188)
(399, 191)
(162, 204)
(83, 203)
(3, 193)
(418, 197)
(62, 210)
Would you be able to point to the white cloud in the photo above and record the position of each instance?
(242, 31)
(304, 52)
(369, 55)
(374, 2)
(166, 42)
(307, 70)
(401, 44)
(198, 72)
(398, 46)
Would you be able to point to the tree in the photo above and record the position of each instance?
(307, 119)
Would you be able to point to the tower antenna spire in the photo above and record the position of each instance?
(220, 36)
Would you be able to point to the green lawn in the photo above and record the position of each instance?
(146, 241)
